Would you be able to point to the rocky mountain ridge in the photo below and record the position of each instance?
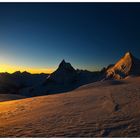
(66, 78)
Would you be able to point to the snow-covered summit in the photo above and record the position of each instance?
(127, 65)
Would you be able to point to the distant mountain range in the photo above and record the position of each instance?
(66, 78)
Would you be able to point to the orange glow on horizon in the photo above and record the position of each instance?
(33, 70)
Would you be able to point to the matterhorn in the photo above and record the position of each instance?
(65, 74)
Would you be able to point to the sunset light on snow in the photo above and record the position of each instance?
(69, 70)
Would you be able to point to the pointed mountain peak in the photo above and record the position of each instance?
(63, 62)
(65, 65)
(128, 54)
(65, 73)
(127, 65)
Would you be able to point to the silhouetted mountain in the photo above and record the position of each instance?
(65, 74)
(66, 78)
(13, 83)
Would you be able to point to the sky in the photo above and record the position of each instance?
(36, 36)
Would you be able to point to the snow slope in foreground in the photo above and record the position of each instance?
(101, 109)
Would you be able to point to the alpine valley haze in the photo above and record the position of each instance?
(69, 70)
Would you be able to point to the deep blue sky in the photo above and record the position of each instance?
(89, 36)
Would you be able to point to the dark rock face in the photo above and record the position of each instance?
(65, 78)
(65, 74)
(13, 83)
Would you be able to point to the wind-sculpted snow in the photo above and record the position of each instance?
(100, 109)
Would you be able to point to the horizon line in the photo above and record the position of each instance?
(6, 68)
